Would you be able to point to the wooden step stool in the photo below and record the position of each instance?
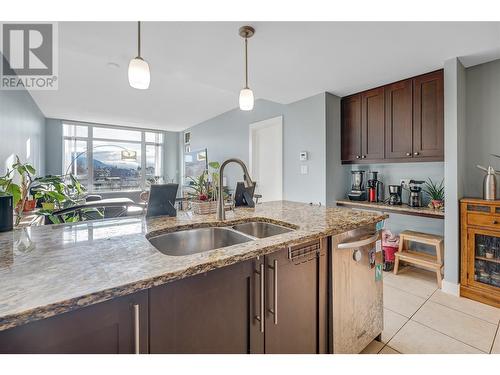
(432, 262)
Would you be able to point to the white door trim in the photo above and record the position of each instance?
(263, 124)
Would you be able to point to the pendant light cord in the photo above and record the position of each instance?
(246, 62)
(139, 38)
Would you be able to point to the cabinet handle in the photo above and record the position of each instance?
(363, 157)
(408, 154)
(260, 317)
(136, 329)
(274, 310)
(357, 156)
(495, 222)
(416, 153)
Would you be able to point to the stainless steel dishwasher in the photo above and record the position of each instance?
(356, 304)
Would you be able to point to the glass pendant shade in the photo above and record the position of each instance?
(246, 99)
(138, 74)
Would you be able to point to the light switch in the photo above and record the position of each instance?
(303, 156)
(304, 169)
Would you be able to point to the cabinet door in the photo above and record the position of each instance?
(398, 120)
(484, 259)
(428, 115)
(351, 128)
(372, 124)
(295, 302)
(208, 313)
(104, 328)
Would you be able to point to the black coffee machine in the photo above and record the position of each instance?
(395, 192)
(415, 195)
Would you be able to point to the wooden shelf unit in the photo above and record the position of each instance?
(479, 219)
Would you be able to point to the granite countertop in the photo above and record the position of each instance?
(49, 270)
(403, 209)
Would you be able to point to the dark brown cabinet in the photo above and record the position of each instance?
(372, 124)
(209, 313)
(399, 122)
(428, 116)
(351, 128)
(116, 326)
(269, 305)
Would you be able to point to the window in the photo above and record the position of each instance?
(122, 158)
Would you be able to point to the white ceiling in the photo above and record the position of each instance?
(197, 67)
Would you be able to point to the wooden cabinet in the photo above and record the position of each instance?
(399, 122)
(351, 128)
(428, 115)
(208, 313)
(480, 250)
(269, 305)
(372, 124)
(105, 328)
(296, 301)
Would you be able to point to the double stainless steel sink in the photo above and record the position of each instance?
(192, 241)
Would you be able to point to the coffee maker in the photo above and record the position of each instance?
(358, 192)
(375, 188)
(395, 192)
(415, 195)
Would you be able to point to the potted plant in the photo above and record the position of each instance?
(55, 194)
(435, 193)
(203, 192)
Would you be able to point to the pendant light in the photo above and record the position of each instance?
(138, 69)
(246, 95)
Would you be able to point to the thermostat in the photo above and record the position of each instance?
(303, 155)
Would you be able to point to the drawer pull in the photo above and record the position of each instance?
(136, 329)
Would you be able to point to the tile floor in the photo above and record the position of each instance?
(420, 319)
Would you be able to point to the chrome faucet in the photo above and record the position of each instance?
(221, 214)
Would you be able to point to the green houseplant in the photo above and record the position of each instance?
(20, 191)
(204, 190)
(436, 193)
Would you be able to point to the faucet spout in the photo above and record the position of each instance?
(221, 214)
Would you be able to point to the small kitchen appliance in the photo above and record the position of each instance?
(415, 195)
(358, 192)
(375, 188)
(489, 183)
(395, 195)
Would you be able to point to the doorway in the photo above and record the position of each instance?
(266, 158)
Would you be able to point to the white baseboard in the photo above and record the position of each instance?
(450, 288)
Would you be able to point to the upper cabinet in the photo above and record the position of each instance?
(399, 122)
(428, 116)
(351, 128)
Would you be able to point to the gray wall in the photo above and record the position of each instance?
(337, 176)
(305, 130)
(454, 168)
(21, 124)
(483, 123)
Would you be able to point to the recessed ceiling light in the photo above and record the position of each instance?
(113, 65)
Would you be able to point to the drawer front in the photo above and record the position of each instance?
(484, 220)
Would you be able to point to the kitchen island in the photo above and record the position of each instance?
(52, 270)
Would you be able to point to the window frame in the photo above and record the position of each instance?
(90, 150)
